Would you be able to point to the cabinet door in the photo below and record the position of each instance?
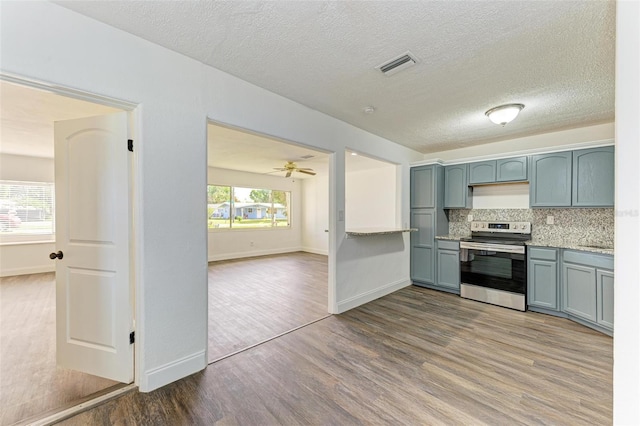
(422, 246)
(449, 269)
(456, 188)
(593, 177)
(579, 295)
(542, 288)
(605, 298)
(511, 169)
(550, 184)
(423, 187)
(482, 172)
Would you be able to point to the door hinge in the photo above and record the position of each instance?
(130, 144)
(132, 337)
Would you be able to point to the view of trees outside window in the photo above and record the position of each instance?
(26, 208)
(242, 208)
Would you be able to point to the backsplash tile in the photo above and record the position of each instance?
(583, 226)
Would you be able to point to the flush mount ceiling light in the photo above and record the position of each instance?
(368, 110)
(504, 114)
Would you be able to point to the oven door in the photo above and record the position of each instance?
(494, 269)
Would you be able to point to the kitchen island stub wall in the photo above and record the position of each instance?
(579, 226)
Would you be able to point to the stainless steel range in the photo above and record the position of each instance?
(493, 263)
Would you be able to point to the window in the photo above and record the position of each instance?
(230, 207)
(26, 210)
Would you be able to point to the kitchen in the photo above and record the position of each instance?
(41, 43)
(529, 232)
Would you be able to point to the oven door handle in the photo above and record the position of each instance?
(492, 247)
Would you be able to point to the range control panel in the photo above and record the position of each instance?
(506, 227)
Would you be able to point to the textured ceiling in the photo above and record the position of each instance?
(27, 117)
(556, 57)
(238, 150)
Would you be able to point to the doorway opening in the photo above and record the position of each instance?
(268, 221)
(32, 384)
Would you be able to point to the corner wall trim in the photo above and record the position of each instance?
(172, 371)
(315, 251)
(371, 295)
(254, 253)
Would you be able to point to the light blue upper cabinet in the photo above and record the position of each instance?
(423, 189)
(550, 183)
(456, 187)
(511, 169)
(482, 172)
(593, 177)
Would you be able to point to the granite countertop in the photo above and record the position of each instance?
(563, 244)
(573, 245)
(451, 237)
(361, 232)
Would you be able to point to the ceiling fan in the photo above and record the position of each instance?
(291, 167)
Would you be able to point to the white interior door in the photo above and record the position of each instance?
(93, 298)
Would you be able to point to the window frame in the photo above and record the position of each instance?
(31, 237)
(231, 220)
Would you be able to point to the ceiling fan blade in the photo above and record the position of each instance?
(306, 172)
(281, 169)
(288, 174)
(304, 168)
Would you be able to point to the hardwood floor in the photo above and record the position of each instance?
(254, 299)
(30, 382)
(416, 356)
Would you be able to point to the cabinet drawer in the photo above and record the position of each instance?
(543, 253)
(448, 245)
(590, 259)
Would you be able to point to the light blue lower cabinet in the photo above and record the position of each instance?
(605, 298)
(542, 286)
(422, 265)
(572, 284)
(449, 269)
(579, 295)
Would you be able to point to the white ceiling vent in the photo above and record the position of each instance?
(397, 64)
(306, 157)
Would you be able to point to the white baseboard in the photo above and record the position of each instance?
(170, 372)
(243, 254)
(29, 270)
(371, 295)
(315, 251)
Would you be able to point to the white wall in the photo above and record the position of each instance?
(501, 196)
(565, 139)
(315, 214)
(626, 342)
(233, 244)
(176, 94)
(28, 169)
(371, 198)
(17, 258)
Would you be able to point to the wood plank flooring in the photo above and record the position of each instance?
(254, 299)
(30, 382)
(416, 356)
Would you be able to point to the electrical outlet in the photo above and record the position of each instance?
(470, 218)
(550, 220)
(250, 243)
(340, 215)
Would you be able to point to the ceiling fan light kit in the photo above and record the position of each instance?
(291, 167)
(504, 114)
